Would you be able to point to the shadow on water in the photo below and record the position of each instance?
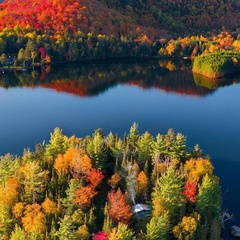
(93, 78)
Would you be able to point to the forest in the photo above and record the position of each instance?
(71, 31)
(73, 188)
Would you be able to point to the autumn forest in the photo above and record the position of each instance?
(104, 187)
(73, 188)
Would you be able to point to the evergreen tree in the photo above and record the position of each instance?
(158, 149)
(67, 229)
(33, 181)
(96, 150)
(18, 234)
(121, 232)
(144, 147)
(8, 167)
(58, 143)
(158, 228)
(169, 188)
(133, 135)
(68, 202)
(179, 148)
(209, 199)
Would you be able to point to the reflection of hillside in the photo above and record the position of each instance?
(94, 78)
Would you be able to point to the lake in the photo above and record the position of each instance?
(157, 95)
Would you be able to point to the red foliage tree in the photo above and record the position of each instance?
(101, 236)
(190, 191)
(95, 177)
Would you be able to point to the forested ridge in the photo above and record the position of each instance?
(122, 17)
(68, 30)
(86, 188)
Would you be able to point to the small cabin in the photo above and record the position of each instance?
(141, 210)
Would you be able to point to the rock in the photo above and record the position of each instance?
(234, 231)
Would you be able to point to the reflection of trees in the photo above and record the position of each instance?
(215, 83)
(88, 79)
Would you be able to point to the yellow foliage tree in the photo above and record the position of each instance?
(82, 232)
(114, 181)
(34, 220)
(142, 182)
(197, 168)
(49, 207)
(158, 207)
(18, 209)
(185, 230)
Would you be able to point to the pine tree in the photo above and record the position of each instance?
(158, 228)
(8, 167)
(68, 201)
(58, 143)
(169, 187)
(179, 148)
(158, 149)
(208, 202)
(18, 234)
(67, 229)
(121, 232)
(133, 135)
(33, 181)
(144, 147)
(96, 150)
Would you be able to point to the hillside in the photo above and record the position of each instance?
(125, 17)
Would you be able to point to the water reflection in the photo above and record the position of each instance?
(89, 79)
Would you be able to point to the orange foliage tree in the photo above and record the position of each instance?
(119, 210)
(84, 195)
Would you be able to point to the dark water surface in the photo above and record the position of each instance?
(111, 96)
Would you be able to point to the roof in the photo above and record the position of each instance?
(139, 207)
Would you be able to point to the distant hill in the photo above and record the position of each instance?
(122, 17)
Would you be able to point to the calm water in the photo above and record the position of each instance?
(80, 99)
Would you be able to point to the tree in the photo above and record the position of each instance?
(68, 201)
(185, 230)
(208, 202)
(158, 228)
(158, 149)
(18, 234)
(21, 56)
(8, 167)
(190, 191)
(144, 147)
(49, 207)
(101, 236)
(84, 195)
(133, 135)
(67, 229)
(197, 168)
(33, 180)
(169, 188)
(95, 177)
(114, 180)
(34, 220)
(121, 232)
(80, 164)
(58, 143)
(117, 200)
(96, 150)
(3, 58)
(82, 232)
